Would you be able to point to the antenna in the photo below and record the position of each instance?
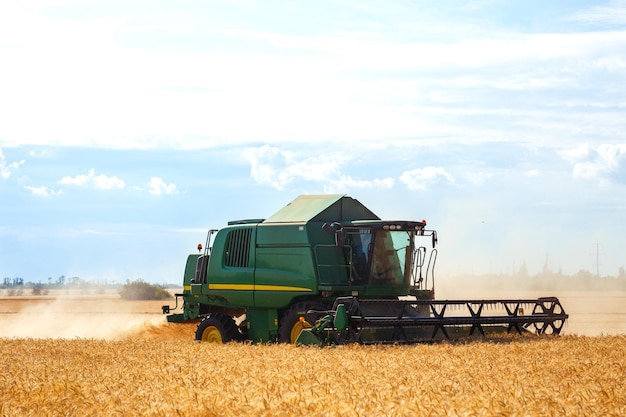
(597, 259)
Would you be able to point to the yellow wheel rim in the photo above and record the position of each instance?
(297, 328)
(212, 335)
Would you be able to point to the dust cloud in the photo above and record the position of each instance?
(591, 312)
(90, 317)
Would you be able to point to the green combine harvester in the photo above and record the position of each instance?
(326, 270)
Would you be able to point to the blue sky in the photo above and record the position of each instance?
(129, 128)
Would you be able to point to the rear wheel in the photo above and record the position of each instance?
(295, 319)
(217, 328)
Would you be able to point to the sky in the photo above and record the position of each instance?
(129, 128)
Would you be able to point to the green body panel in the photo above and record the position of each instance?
(177, 318)
(308, 338)
(229, 278)
(383, 291)
(284, 265)
(190, 269)
(262, 324)
(331, 265)
(191, 306)
(262, 267)
(341, 318)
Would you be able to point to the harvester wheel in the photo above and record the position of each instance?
(217, 328)
(295, 319)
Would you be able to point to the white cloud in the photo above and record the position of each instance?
(40, 153)
(478, 177)
(348, 86)
(577, 153)
(265, 165)
(346, 183)
(611, 14)
(596, 162)
(43, 191)
(107, 183)
(588, 170)
(278, 168)
(273, 166)
(421, 178)
(77, 180)
(155, 186)
(158, 187)
(7, 168)
(101, 181)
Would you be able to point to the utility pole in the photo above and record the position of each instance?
(597, 259)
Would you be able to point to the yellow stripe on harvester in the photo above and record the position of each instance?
(235, 287)
(253, 287)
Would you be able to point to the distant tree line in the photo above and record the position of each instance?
(60, 282)
(140, 290)
(12, 282)
(130, 290)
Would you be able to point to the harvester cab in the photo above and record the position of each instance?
(388, 254)
(325, 269)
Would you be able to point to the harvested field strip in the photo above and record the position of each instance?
(160, 371)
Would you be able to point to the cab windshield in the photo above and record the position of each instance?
(390, 255)
(379, 256)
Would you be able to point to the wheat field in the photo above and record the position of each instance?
(101, 356)
(158, 370)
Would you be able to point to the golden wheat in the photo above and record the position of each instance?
(160, 371)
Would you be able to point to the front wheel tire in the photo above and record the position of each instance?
(295, 319)
(217, 328)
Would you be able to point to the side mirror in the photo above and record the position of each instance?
(337, 229)
(328, 228)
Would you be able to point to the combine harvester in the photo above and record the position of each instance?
(325, 269)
